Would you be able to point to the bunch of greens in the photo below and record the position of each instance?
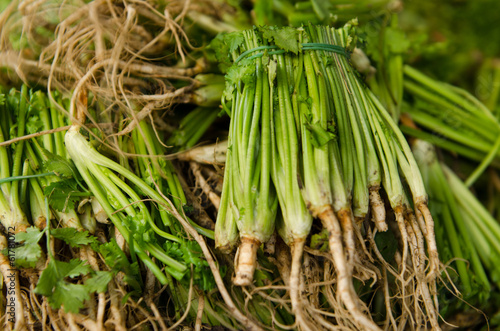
(298, 111)
(457, 121)
(467, 235)
(14, 107)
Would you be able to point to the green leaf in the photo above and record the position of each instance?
(59, 292)
(117, 261)
(285, 38)
(61, 166)
(68, 295)
(319, 241)
(233, 40)
(396, 41)
(73, 237)
(190, 252)
(2, 99)
(37, 104)
(72, 269)
(99, 282)
(48, 280)
(319, 135)
(33, 125)
(223, 45)
(243, 72)
(63, 195)
(27, 256)
(31, 236)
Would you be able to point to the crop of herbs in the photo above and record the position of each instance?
(228, 165)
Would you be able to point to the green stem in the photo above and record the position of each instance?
(484, 164)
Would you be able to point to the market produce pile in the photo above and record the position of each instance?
(212, 164)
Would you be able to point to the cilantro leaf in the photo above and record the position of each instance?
(73, 237)
(33, 125)
(48, 280)
(396, 40)
(70, 296)
(63, 195)
(99, 282)
(31, 236)
(320, 136)
(243, 72)
(59, 165)
(234, 40)
(60, 292)
(73, 268)
(117, 261)
(285, 38)
(27, 255)
(319, 241)
(37, 104)
(190, 252)
(224, 45)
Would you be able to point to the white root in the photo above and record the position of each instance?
(387, 298)
(115, 306)
(377, 209)
(344, 278)
(210, 154)
(431, 241)
(246, 261)
(422, 282)
(344, 216)
(398, 211)
(295, 290)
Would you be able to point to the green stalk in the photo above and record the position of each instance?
(74, 140)
(446, 144)
(484, 164)
(441, 89)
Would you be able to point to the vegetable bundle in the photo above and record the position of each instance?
(322, 217)
(298, 111)
(464, 228)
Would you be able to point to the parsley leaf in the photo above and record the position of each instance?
(31, 236)
(285, 38)
(396, 40)
(60, 292)
(320, 136)
(61, 166)
(73, 237)
(117, 261)
(99, 282)
(224, 45)
(63, 194)
(243, 72)
(70, 296)
(190, 252)
(28, 254)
